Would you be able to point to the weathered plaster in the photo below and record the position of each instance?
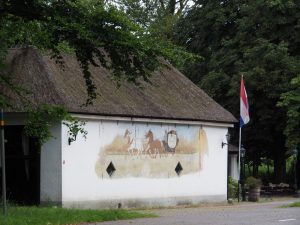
(51, 168)
(83, 184)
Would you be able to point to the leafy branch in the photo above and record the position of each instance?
(75, 127)
(40, 120)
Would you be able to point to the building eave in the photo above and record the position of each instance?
(152, 120)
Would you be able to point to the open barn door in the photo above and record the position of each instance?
(22, 159)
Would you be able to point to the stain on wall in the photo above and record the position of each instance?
(203, 146)
(152, 151)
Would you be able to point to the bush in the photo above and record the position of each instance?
(252, 182)
(232, 188)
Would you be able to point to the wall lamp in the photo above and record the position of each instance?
(242, 151)
(227, 138)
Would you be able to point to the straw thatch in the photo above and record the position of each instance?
(170, 96)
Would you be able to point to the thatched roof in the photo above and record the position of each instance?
(170, 96)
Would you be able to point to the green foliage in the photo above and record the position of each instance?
(157, 19)
(148, 13)
(75, 127)
(59, 216)
(294, 204)
(253, 182)
(96, 33)
(290, 169)
(40, 120)
(232, 188)
(266, 170)
(291, 101)
(260, 40)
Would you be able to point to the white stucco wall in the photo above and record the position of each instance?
(234, 171)
(51, 168)
(83, 185)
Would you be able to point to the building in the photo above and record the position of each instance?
(233, 165)
(155, 145)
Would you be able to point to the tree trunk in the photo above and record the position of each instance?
(249, 169)
(255, 165)
(171, 6)
(279, 166)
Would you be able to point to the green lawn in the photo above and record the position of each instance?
(294, 204)
(57, 216)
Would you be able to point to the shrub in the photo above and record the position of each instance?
(232, 188)
(252, 182)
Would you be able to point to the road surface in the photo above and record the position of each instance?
(237, 214)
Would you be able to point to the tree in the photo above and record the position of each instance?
(158, 17)
(291, 101)
(258, 39)
(96, 33)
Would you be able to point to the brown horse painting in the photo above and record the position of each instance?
(154, 147)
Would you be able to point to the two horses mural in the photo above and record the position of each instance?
(150, 146)
(142, 152)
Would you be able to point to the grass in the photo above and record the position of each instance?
(19, 215)
(294, 204)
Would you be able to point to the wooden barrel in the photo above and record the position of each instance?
(254, 194)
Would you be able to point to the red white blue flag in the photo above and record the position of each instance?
(244, 107)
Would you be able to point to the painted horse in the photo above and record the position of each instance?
(154, 147)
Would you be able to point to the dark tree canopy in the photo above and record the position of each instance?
(259, 39)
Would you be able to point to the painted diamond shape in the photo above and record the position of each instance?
(178, 168)
(110, 169)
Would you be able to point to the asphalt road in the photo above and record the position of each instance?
(237, 214)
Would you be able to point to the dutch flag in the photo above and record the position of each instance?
(244, 107)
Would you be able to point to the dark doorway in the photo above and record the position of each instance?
(22, 158)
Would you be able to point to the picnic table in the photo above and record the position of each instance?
(281, 189)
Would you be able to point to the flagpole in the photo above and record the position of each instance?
(244, 119)
(239, 154)
(240, 142)
(239, 164)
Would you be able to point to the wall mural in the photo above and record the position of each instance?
(140, 151)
